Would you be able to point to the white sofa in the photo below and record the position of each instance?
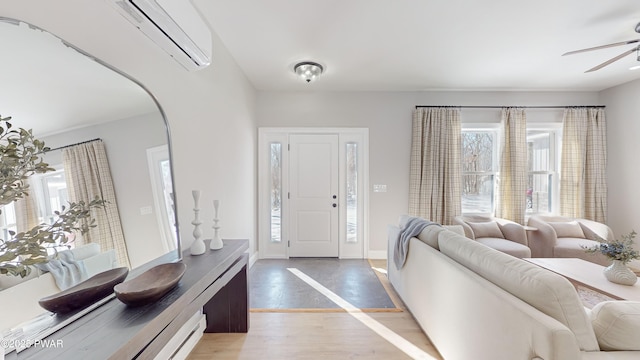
(475, 302)
(19, 296)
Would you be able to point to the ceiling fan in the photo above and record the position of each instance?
(614, 59)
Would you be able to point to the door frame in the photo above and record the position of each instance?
(268, 249)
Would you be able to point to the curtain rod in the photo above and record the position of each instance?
(512, 106)
(79, 143)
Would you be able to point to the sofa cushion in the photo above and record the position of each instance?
(429, 236)
(486, 229)
(568, 229)
(548, 292)
(617, 325)
(507, 246)
(85, 251)
(458, 229)
(7, 281)
(571, 247)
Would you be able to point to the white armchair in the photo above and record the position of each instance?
(563, 237)
(501, 234)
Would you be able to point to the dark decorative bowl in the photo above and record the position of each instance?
(85, 293)
(151, 285)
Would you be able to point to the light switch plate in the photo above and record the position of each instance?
(379, 188)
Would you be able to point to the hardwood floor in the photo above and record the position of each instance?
(318, 334)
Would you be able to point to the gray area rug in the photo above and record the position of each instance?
(272, 286)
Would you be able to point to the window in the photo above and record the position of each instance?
(479, 165)
(52, 194)
(7, 220)
(49, 193)
(352, 192)
(276, 192)
(542, 175)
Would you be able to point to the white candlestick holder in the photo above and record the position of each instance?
(216, 242)
(197, 247)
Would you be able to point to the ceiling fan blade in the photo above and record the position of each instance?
(602, 47)
(612, 60)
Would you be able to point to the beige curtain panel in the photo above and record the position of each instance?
(88, 175)
(26, 212)
(583, 186)
(435, 175)
(512, 183)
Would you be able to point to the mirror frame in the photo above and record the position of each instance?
(178, 257)
(16, 22)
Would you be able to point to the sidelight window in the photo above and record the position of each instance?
(352, 192)
(276, 192)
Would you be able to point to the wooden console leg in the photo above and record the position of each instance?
(228, 310)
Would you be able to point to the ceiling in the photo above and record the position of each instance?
(364, 45)
(49, 87)
(414, 45)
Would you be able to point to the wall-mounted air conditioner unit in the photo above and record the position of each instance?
(174, 25)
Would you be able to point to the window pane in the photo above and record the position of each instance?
(478, 171)
(276, 191)
(55, 194)
(538, 150)
(540, 166)
(352, 192)
(167, 191)
(477, 194)
(539, 193)
(477, 151)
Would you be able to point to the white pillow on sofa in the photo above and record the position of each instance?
(486, 229)
(617, 325)
(568, 229)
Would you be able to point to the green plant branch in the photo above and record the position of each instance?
(20, 157)
(30, 247)
(616, 249)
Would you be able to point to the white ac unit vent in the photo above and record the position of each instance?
(174, 25)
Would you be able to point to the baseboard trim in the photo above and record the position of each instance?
(326, 310)
(252, 259)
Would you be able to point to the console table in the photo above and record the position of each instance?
(216, 281)
(589, 275)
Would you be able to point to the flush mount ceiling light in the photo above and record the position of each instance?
(308, 70)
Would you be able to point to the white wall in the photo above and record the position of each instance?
(388, 117)
(623, 166)
(126, 142)
(211, 112)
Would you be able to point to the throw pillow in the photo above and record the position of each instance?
(617, 325)
(486, 229)
(568, 229)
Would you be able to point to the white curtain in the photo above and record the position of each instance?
(88, 175)
(27, 211)
(435, 174)
(583, 186)
(512, 185)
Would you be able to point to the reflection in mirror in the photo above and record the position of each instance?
(81, 108)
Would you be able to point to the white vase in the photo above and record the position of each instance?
(197, 247)
(619, 273)
(216, 242)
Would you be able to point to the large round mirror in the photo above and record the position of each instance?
(72, 102)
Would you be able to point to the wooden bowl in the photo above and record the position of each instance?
(85, 293)
(151, 285)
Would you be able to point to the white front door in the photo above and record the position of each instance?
(314, 210)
